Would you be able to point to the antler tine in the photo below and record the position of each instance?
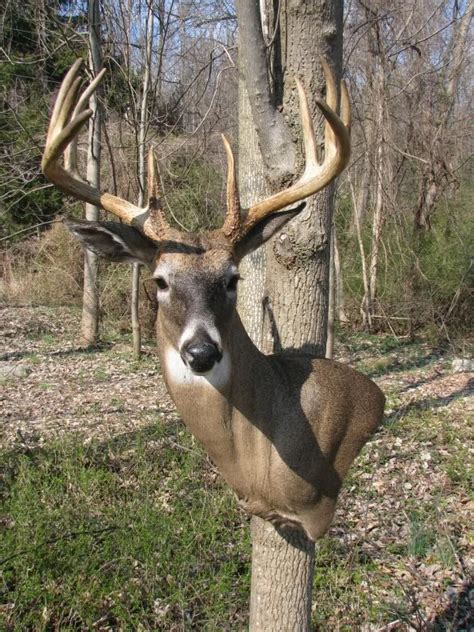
(70, 154)
(315, 176)
(64, 90)
(69, 115)
(309, 139)
(231, 227)
(345, 105)
(153, 182)
(60, 141)
(157, 224)
(331, 102)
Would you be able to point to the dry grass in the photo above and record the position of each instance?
(48, 271)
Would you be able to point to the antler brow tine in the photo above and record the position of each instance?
(156, 222)
(232, 225)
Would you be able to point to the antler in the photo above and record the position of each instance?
(69, 115)
(316, 175)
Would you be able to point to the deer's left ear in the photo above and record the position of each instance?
(114, 241)
(264, 230)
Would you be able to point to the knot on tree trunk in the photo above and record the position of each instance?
(299, 244)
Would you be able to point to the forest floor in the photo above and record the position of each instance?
(112, 517)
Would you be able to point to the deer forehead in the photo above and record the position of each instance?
(195, 261)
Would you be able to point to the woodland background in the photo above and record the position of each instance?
(403, 225)
(111, 515)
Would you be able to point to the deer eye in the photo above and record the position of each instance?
(232, 283)
(161, 283)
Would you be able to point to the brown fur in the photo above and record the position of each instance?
(282, 429)
(285, 429)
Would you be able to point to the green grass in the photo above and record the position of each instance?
(422, 534)
(122, 534)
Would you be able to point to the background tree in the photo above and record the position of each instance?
(400, 61)
(34, 56)
(90, 300)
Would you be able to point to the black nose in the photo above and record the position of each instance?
(201, 356)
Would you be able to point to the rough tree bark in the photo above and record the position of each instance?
(252, 186)
(298, 268)
(286, 307)
(90, 300)
(282, 569)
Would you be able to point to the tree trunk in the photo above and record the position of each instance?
(365, 309)
(142, 130)
(252, 186)
(298, 259)
(282, 579)
(287, 307)
(339, 283)
(134, 312)
(291, 558)
(377, 225)
(378, 219)
(90, 300)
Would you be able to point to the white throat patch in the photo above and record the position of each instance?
(179, 374)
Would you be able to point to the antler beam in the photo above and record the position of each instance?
(69, 115)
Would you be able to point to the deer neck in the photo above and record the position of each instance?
(207, 404)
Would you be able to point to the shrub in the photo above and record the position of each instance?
(49, 270)
(422, 281)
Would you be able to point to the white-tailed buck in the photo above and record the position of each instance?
(282, 429)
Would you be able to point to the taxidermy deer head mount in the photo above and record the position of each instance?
(282, 429)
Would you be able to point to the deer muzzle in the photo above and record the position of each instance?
(201, 356)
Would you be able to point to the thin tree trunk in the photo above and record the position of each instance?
(378, 218)
(90, 301)
(377, 225)
(339, 281)
(134, 313)
(282, 579)
(136, 327)
(365, 306)
(332, 301)
(252, 187)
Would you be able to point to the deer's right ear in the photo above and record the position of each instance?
(114, 241)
